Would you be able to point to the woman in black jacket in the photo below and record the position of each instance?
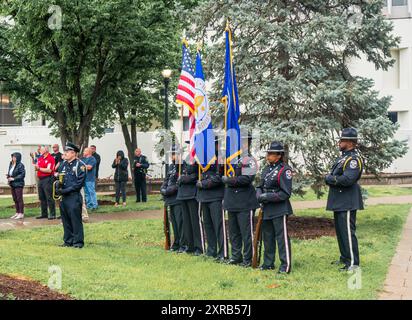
(121, 176)
(15, 178)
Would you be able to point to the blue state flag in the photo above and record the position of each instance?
(204, 135)
(232, 113)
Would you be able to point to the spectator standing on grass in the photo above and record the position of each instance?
(35, 155)
(98, 160)
(89, 186)
(45, 173)
(140, 166)
(15, 178)
(57, 155)
(121, 176)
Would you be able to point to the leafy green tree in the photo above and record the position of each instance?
(61, 61)
(291, 59)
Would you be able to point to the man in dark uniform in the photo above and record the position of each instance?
(345, 198)
(273, 194)
(140, 166)
(169, 192)
(240, 202)
(210, 195)
(98, 160)
(186, 194)
(74, 171)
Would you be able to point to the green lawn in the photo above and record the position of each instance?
(373, 191)
(125, 260)
(154, 202)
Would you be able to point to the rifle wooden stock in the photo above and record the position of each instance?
(166, 228)
(257, 241)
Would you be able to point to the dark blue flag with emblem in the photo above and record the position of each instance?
(232, 113)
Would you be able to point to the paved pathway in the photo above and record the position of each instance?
(398, 283)
(28, 223)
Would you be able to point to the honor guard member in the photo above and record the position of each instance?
(210, 194)
(345, 198)
(169, 192)
(140, 165)
(273, 194)
(186, 194)
(240, 202)
(74, 171)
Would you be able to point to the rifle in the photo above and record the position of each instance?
(257, 241)
(166, 228)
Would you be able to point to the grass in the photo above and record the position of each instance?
(154, 202)
(125, 260)
(373, 191)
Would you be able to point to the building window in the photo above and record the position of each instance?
(399, 3)
(393, 116)
(6, 111)
(185, 123)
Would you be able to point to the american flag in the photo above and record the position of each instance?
(186, 94)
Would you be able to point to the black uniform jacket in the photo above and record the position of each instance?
(187, 181)
(276, 181)
(212, 188)
(19, 172)
(144, 165)
(169, 186)
(240, 194)
(74, 176)
(344, 190)
(120, 173)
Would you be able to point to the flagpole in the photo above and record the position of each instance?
(184, 41)
(225, 126)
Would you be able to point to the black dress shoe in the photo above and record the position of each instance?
(42, 217)
(59, 217)
(283, 271)
(64, 245)
(183, 250)
(198, 253)
(246, 264)
(51, 218)
(264, 268)
(77, 246)
(344, 268)
(234, 262)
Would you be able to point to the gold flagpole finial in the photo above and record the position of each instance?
(227, 25)
(185, 42)
(199, 46)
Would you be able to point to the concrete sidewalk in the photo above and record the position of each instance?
(398, 283)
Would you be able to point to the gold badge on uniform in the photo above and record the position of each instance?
(83, 168)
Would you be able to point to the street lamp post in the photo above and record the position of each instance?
(166, 73)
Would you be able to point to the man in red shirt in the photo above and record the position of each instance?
(44, 168)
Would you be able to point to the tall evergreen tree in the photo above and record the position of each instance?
(293, 77)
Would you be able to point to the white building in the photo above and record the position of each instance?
(397, 82)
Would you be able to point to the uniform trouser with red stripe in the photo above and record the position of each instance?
(240, 232)
(275, 231)
(345, 226)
